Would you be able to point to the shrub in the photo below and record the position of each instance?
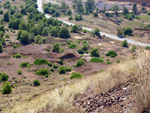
(125, 43)
(95, 52)
(19, 72)
(56, 48)
(7, 36)
(15, 46)
(7, 89)
(62, 70)
(76, 75)
(111, 53)
(3, 77)
(40, 61)
(48, 49)
(96, 60)
(55, 66)
(80, 62)
(72, 46)
(61, 62)
(68, 69)
(133, 48)
(42, 72)
(68, 42)
(147, 48)
(52, 70)
(80, 51)
(49, 64)
(128, 31)
(25, 64)
(36, 83)
(18, 55)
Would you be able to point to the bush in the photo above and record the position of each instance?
(15, 46)
(52, 70)
(96, 60)
(42, 72)
(133, 48)
(125, 43)
(147, 48)
(7, 89)
(95, 14)
(3, 77)
(56, 48)
(62, 70)
(7, 36)
(18, 55)
(95, 52)
(19, 72)
(76, 75)
(72, 46)
(128, 31)
(25, 64)
(61, 62)
(68, 69)
(55, 66)
(111, 54)
(36, 83)
(80, 51)
(80, 62)
(40, 61)
(49, 64)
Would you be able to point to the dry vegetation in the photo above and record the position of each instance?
(61, 98)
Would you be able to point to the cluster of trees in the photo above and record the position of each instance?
(55, 10)
(80, 9)
(124, 32)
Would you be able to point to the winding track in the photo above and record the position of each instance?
(39, 3)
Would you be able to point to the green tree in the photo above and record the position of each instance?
(76, 28)
(96, 32)
(134, 9)
(125, 43)
(6, 89)
(6, 17)
(125, 11)
(94, 52)
(128, 31)
(56, 48)
(62, 70)
(24, 37)
(36, 83)
(80, 62)
(54, 32)
(64, 32)
(89, 6)
(1, 48)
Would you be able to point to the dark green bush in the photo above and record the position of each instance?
(80, 51)
(25, 64)
(3, 77)
(111, 54)
(68, 69)
(80, 62)
(95, 59)
(36, 83)
(76, 75)
(7, 89)
(19, 72)
(49, 64)
(125, 43)
(95, 52)
(42, 72)
(40, 61)
(18, 55)
(61, 62)
(62, 70)
(55, 66)
(52, 70)
(72, 46)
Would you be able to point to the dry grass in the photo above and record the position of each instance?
(61, 99)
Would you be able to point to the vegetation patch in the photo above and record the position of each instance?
(95, 59)
(111, 54)
(43, 72)
(76, 75)
(25, 64)
(40, 61)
